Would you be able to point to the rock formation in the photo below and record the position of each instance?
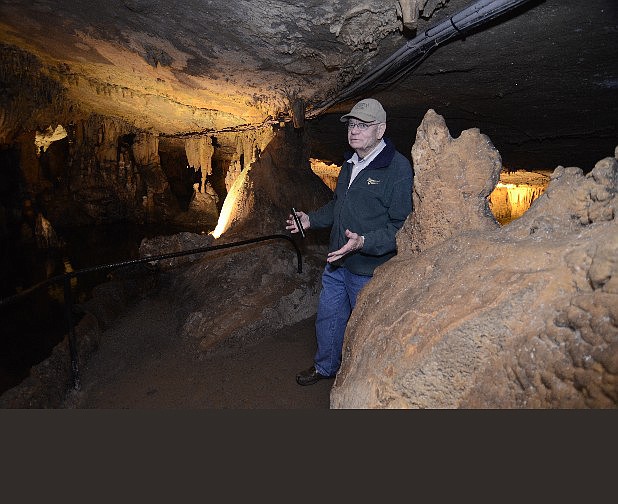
(473, 315)
(256, 288)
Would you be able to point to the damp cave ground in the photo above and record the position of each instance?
(141, 363)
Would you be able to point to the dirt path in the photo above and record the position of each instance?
(141, 363)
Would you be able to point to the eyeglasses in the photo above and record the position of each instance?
(360, 125)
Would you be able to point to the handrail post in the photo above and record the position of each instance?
(68, 307)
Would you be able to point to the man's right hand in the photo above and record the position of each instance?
(304, 220)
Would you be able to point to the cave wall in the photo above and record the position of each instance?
(30, 99)
(104, 169)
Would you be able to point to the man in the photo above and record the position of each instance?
(372, 199)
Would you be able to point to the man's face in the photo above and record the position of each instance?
(365, 137)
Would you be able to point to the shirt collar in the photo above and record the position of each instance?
(369, 157)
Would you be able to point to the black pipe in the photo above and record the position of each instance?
(413, 52)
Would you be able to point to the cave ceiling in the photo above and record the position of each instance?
(541, 79)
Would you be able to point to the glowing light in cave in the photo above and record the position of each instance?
(328, 172)
(510, 201)
(228, 211)
(45, 139)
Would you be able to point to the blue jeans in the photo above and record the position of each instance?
(337, 299)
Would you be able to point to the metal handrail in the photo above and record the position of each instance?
(67, 277)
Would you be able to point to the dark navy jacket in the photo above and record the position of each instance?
(375, 206)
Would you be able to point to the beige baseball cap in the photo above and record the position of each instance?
(367, 110)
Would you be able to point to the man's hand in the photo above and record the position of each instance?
(355, 242)
(304, 220)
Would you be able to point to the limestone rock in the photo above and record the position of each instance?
(46, 236)
(259, 282)
(459, 173)
(262, 195)
(172, 244)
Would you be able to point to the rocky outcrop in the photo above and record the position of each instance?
(262, 195)
(452, 183)
(233, 299)
(473, 315)
(328, 173)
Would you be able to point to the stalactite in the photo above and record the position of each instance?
(146, 148)
(199, 152)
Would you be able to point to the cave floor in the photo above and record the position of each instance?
(141, 363)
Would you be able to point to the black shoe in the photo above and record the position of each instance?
(310, 376)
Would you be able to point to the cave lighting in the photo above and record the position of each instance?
(521, 195)
(328, 172)
(43, 140)
(228, 211)
(510, 201)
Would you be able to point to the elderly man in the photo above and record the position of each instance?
(372, 199)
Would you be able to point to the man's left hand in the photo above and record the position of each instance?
(355, 242)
